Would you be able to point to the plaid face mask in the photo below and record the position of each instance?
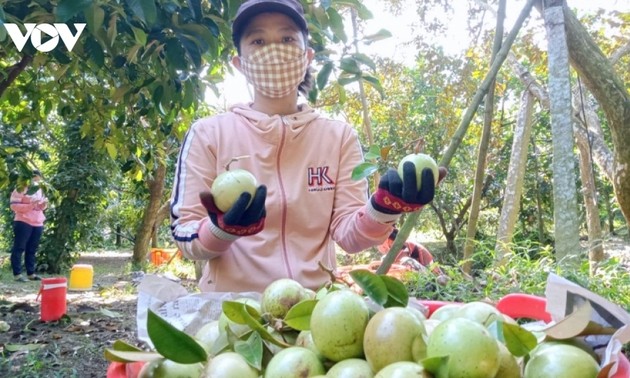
(275, 69)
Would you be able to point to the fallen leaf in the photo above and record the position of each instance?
(572, 325)
(23, 347)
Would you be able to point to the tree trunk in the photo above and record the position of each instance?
(143, 236)
(118, 237)
(482, 154)
(593, 135)
(161, 215)
(566, 226)
(515, 177)
(608, 88)
(589, 190)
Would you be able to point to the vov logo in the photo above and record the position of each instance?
(35, 32)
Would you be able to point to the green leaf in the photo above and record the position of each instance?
(379, 35)
(397, 294)
(518, 340)
(348, 80)
(113, 355)
(362, 58)
(172, 343)
(375, 83)
(3, 31)
(175, 54)
(145, 10)
(125, 347)
(374, 153)
(139, 35)
(195, 8)
(111, 150)
(350, 65)
(241, 312)
(437, 365)
(251, 350)
(299, 316)
(323, 75)
(66, 9)
(363, 170)
(372, 285)
(336, 24)
(94, 15)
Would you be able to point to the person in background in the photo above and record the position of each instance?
(412, 250)
(28, 225)
(307, 200)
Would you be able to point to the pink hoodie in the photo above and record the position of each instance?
(306, 161)
(29, 208)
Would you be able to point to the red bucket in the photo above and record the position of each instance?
(53, 294)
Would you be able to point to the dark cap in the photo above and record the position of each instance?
(251, 8)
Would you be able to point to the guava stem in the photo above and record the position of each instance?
(236, 158)
(327, 270)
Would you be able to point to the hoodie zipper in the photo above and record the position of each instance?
(283, 195)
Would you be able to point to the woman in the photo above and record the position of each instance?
(28, 225)
(307, 201)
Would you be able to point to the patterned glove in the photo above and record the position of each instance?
(240, 219)
(395, 195)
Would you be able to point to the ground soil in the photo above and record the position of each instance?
(74, 346)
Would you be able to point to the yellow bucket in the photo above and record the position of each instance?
(81, 276)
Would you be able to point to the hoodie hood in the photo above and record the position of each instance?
(266, 123)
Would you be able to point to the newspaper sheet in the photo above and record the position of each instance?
(564, 297)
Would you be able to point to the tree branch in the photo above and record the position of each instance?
(14, 72)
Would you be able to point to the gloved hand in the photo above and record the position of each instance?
(240, 219)
(395, 195)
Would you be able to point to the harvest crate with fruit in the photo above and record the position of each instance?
(291, 331)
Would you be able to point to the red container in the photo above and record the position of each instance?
(53, 297)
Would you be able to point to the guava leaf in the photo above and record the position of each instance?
(112, 355)
(172, 343)
(572, 325)
(220, 344)
(251, 349)
(438, 365)
(363, 170)
(124, 346)
(299, 316)
(239, 312)
(518, 340)
(374, 153)
(397, 294)
(373, 286)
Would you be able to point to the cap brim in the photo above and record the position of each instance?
(253, 10)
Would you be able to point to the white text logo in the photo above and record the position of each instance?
(34, 32)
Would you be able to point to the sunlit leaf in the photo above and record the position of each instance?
(372, 285)
(299, 316)
(518, 340)
(112, 355)
(363, 170)
(397, 294)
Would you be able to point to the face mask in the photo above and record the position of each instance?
(275, 70)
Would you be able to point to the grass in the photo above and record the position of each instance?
(521, 274)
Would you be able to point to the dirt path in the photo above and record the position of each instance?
(73, 346)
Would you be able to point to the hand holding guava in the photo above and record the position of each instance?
(409, 188)
(245, 217)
